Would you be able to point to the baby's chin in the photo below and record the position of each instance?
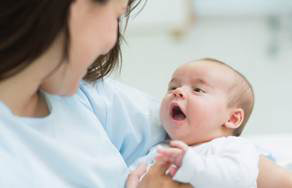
(173, 136)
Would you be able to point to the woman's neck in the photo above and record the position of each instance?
(23, 98)
(21, 92)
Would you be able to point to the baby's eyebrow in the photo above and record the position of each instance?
(173, 80)
(201, 81)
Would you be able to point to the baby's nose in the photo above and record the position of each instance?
(179, 92)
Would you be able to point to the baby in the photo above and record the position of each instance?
(204, 111)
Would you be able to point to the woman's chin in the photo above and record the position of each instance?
(106, 50)
(108, 47)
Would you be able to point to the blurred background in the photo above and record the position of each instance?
(254, 36)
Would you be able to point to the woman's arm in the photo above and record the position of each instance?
(156, 178)
(272, 175)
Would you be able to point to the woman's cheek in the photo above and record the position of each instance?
(112, 36)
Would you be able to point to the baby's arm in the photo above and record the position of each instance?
(234, 164)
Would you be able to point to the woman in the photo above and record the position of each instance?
(54, 131)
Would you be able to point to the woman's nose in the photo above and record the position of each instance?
(179, 92)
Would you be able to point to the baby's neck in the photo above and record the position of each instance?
(208, 140)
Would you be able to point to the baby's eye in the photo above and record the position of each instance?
(171, 88)
(198, 90)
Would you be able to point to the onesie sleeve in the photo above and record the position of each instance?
(229, 163)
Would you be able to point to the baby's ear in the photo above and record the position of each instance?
(235, 118)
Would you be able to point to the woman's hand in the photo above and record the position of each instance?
(272, 175)
(135, 176)
(156, 178)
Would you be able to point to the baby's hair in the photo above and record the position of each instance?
(241, 94)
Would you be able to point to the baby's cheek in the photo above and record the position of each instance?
(163, 111)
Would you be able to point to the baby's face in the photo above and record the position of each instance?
(195, 107)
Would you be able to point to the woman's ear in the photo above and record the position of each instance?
(235, 119)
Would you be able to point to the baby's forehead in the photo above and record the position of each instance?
(207, 64)
(214, 74)
(201, 65)
(204, 68)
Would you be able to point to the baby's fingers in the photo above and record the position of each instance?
(171, 170)
(168, 154)
(179, 144)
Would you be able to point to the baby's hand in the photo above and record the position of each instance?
(173, 155)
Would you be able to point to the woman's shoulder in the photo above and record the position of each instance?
(111, 90)
(106, 87)
(110, 87)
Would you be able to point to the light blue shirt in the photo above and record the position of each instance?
(87, 140)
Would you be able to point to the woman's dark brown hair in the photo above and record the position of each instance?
(29, 27)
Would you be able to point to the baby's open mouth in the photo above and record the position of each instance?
(177, 113)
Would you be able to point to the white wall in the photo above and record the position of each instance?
(242, 42)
